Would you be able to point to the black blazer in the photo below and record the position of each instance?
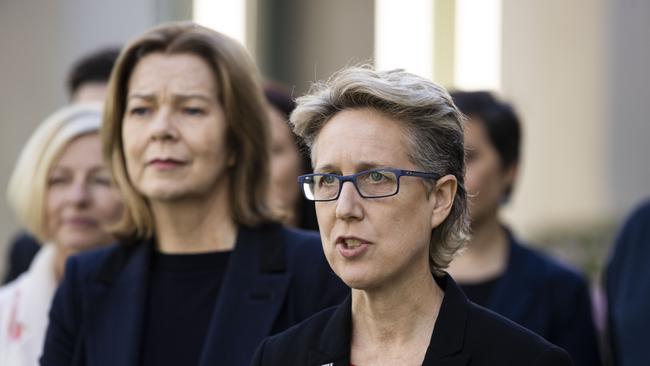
(548, 298)
(465, 334)
(275, 278)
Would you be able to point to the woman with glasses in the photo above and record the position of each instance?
(202, 273)
(388, 157)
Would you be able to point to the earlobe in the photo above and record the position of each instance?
(443, 196)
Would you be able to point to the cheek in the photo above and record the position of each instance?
(108, 204)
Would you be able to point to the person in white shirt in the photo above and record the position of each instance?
(63, 193)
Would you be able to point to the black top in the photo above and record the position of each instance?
(464, 335)
(480, 292)
(181, 298)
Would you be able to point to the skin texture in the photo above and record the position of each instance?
(285, 168)
(90, 92)
(395, 301)
(174, 133)
(81, 199)
(486, 181)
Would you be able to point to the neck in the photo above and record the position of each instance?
(59, 262)
(195, 225)
(390, 320)
(485, 255)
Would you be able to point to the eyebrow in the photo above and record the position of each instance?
(178, 97)
(361, 166)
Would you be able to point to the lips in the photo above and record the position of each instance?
(81, 221)
(165, 163)
(351, 247)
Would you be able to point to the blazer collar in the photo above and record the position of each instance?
(115, 306)
(252, 293)
(446, 344)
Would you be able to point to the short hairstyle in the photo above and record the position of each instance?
(500, 121)
(433, 126)
(27, 187)
(240, 94)
(92, 68)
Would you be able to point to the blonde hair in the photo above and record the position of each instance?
(28, 183)
(433, 126)
(240, 95)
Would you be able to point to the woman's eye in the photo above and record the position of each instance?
(139, 111)
(54, 181)
(376, 176)
(328, 179)
(193, 111)
(103, 181)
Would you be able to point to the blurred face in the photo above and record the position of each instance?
(90, 92)
(174, 129)
(486, 180)
(371, 242)
(81, 199)
(286, 166)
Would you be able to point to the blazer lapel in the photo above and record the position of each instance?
(334, 345)
(116, 307)
(253, 291)
(446, 347)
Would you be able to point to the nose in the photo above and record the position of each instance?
(79, 194)
(348, 205)
(162, 125)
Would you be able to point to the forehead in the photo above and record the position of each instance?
(179, 73)
(84, 150)
(358, 139)
(476, 133)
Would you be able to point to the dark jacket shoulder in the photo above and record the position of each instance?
(464, 334)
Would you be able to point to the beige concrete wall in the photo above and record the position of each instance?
(554, 72)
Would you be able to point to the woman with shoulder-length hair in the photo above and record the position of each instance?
(388, 156)
(63, 193)
(203, 273)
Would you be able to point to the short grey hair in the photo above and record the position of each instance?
(433, 126)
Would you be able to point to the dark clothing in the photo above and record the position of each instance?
(628, 291)
(275, 278)
(480, 293)
(548, 298)
(465, 334)
(191, 283)
(22, 249)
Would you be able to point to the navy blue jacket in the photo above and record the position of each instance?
(465, 334)
(628, 291)
(549, 299)
(275, 278)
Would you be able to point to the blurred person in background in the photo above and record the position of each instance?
(396, 139)
(64, 194)
(86, 82)
(288, 161)
(203, 272)
(496, 270)
(627, 288)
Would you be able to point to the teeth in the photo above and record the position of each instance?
(352, 243)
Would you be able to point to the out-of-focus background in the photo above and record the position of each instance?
(576, 71)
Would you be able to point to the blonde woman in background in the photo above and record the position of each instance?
(64, 194)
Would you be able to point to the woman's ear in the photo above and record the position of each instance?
(442, 197)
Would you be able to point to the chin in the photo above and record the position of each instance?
(81, 243)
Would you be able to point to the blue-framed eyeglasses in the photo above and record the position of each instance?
(376, 183)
